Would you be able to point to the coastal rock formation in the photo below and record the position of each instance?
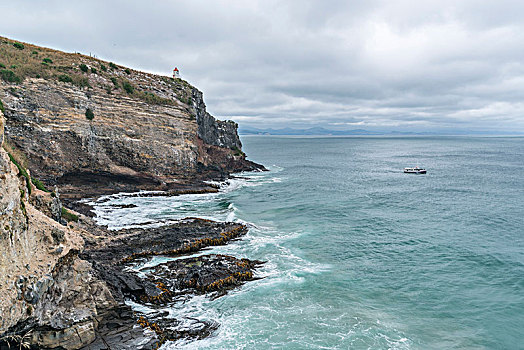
(44, 287)
(75, 127)
(79, 120)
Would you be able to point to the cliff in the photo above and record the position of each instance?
(80, 120)
(84, 127)
(44, 286)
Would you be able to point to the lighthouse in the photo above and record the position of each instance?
(176, 73)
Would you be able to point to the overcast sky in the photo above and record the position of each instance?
(377, 65)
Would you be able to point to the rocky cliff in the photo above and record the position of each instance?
(81, 120)
(44, 286)
(83, 127)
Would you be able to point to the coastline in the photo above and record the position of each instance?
(115, 253)
(115, 130)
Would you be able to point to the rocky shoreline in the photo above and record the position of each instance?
(75, 127)
(114, 252)
(111, 256)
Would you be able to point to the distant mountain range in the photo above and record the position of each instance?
(310, 131)
(320, 131)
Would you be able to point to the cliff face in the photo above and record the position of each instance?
(212, 131)
(44, 286)
(87, 127)
(80, 117)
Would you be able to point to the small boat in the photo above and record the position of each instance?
(415, 170)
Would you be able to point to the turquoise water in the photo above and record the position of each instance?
(360, 255)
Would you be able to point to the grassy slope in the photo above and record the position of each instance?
(31, 61)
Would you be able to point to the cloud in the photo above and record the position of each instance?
(402, 65)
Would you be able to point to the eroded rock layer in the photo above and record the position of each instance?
(80, 120)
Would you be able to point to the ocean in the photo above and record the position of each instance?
(360, 255)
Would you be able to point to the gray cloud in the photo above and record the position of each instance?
(402, 65)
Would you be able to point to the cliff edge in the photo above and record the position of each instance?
(76, 126)
(84, 123)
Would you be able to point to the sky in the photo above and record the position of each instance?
(376, 65)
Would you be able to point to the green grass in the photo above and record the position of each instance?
(68, 216)
(237, 151)
(38, 184)
(21, 171)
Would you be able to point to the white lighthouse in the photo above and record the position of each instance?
(176, 73)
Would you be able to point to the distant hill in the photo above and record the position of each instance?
(320, 131)
(310, 131)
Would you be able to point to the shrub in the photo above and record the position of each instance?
(83, 68)
(65, 78)
(13, 66)
(35, 52)
(18, 45)
(38, 184)
(9, 76)
(237, 151)
(89, 114)
(81, 81)
(127, 70)
(68, 216)
(93, 70)
(2, 106)
(112, 65)
(47, 60)
(2, 65)
(151, 98)
(103, 68)
(128, 87)
(115, 82)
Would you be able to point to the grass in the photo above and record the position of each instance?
(237, 151)
(21, 171)
(70, 68)
(38, 184)
(68, 216)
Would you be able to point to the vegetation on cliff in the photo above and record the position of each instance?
(20, 61)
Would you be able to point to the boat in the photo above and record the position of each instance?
(415, 170)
